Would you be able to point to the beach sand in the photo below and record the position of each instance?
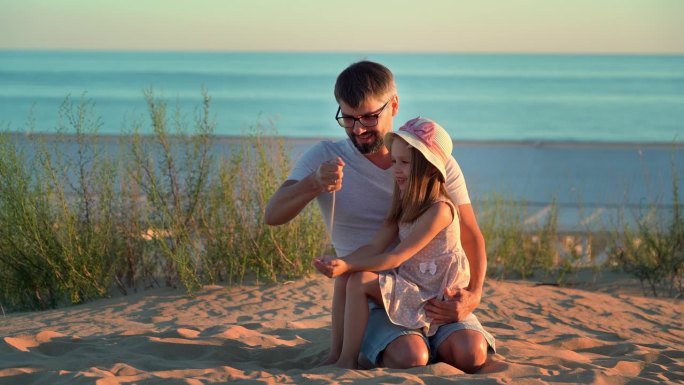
(275, 334)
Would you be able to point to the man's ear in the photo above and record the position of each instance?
(395, 105)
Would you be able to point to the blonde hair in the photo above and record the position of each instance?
(425, 186)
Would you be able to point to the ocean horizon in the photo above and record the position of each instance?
(476, 97)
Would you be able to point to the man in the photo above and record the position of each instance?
(368, 102)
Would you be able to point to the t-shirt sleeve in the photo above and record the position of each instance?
(308, 162)
(456, 184)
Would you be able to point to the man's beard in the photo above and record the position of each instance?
(367, 148)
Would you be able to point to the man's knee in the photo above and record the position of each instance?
(406, 352)
(471, 361)
(465, 350)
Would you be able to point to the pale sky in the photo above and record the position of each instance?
(564, 26)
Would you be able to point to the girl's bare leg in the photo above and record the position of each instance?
(360, 287)
(338, 304)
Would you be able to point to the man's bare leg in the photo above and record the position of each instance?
(405, 352)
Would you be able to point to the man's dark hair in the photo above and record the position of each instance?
(361, 81)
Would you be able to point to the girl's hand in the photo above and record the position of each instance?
(338, 267)
(330, 266)
(322, 264)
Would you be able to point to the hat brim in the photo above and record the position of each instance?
(419, 145)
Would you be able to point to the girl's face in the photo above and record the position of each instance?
(401, 163)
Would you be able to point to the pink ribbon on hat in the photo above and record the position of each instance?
(424, 130)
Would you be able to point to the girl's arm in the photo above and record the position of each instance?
(434, 220)
(383, 238)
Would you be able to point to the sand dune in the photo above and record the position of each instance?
(275, 334)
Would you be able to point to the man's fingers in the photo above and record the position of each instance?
(336, 173)
(329, 174)
(435, 307)
(429, 308)
(436, 316)
(452, 293)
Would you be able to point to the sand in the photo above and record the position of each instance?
(275, 334)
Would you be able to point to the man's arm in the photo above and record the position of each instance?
(474, 246)
(289, 200)
(293, 195)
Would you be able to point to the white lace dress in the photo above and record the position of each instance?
(440, 264)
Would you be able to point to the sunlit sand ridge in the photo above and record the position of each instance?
(276, 334)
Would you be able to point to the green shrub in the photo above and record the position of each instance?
(651, 250)
(75, 225)
(517, 246)
(58, 240)
(239, 242)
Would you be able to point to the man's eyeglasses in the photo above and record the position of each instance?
(365, 120)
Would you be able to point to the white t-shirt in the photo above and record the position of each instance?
(366, 195)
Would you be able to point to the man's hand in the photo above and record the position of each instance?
(457, 304)
(329, 175)
(330, 266)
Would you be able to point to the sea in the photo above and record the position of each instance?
(594, 134)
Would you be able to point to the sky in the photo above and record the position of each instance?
(534, 26)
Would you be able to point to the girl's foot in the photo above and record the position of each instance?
(347, 364)
(331, 360)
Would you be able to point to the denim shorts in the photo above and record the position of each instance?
(380, 332)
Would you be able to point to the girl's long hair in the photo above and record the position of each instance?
(425, 186)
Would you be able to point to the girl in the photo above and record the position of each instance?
(428, 258)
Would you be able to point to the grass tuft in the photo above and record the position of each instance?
(77, 222)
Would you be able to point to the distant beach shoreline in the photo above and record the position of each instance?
(595, 180)
(303, 141)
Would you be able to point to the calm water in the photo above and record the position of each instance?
(550, 102)
(475, 97)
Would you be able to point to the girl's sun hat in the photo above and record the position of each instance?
(429, 138)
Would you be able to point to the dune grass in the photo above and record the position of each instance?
(647, 242)
(163, 210)
(522, 245)
(172, 208)
(651, 246)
